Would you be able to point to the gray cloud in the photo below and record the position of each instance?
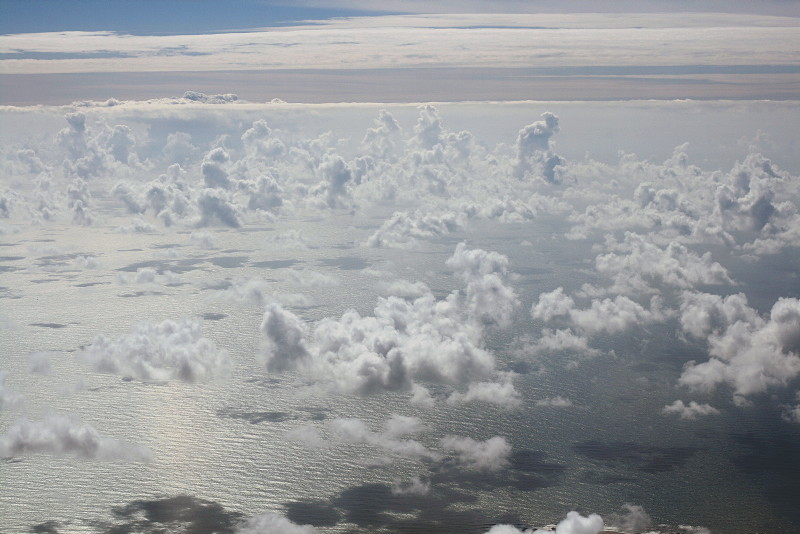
(62, 435)
(168, 350)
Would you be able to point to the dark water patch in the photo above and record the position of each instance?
(772, 460)
(648, 459)
(167, 246)
(48, 527)
(522, 367)
(346, 263)
(274, 264)
(49, 325)
(90, 284)
(130, 250)
(43, 280)
(255, 418)
(11, 258)
(213, 316)
(183, 513)
(316, 513)
(375, 506)
(229, 262)
(315, 414)
(142, 294)
(527, 470)
(9, 268)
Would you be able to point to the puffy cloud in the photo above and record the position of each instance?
(752, 356)
(489, 455)
(703, 314)
(533, 150)
(270, 523)
(148, 275)
(285, 338)
(63, 435)
(217, 207)
(501, 393)
(636, 265)
(404, 342)
(403, 229)
(690, 411)
(574, 523)
(558, 341)
(159, 351)
(606, 315)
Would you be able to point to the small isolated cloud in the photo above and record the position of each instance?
(404, 229)
(391, 440)
(690, 411)
(414, 486)
(558, 402)
(148, 275)
(634, 519)
(137, 226)
(500, 393)
(39, 363)
(204, 240)
(62, 435)
(489, 455)
(791, 414)
(170, 350)
(270, 523)
(8, 398)
(574, 523)
(289, 240)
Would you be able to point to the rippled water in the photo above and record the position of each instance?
(225, 441)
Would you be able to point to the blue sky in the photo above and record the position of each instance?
(154, 16)
(199, 16)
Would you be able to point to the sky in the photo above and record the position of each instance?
(436, 51)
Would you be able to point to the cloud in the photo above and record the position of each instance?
(690, 411)
(217, 207)
(168, 350)
(638, 266)
(414, 486)
(634, 519)
(62, 435)
(8, 398)
(148, 275)
(606, 315)
(405, 342)
(574, 523)
(378, 42)
(489, 455)
(271, 523)
(751, 356)
(534, 156)
(404, 229)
